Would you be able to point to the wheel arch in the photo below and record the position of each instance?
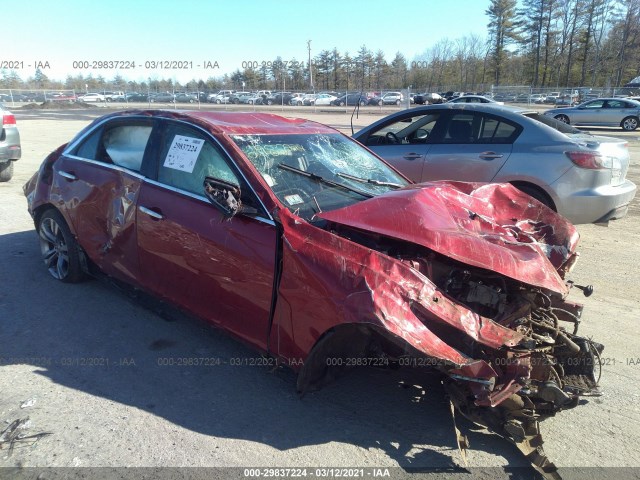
(343, 343)
(536, 191)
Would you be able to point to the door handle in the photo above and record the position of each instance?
(490, 155)
(152, 213)
(412, 156)
(67, 175)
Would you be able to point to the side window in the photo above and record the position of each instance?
(459, 129)
(125, 145)
(493, 130)
(469, 128)
(187, 157)
(122, 145)
(616, 104)
(595, 104)
(408, 130)
(89, 146)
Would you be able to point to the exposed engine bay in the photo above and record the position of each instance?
(511, 389)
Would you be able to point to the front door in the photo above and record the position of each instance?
(220, 269)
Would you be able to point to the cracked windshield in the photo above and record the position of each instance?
(312, 173)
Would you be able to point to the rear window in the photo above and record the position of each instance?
(553, 123)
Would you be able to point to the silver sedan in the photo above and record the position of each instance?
(601, 112)
(581, 176)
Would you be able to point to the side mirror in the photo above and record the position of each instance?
(226, 197)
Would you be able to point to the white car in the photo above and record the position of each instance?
(392, 98)
(297, 99)
(92, 97)
(324, 99)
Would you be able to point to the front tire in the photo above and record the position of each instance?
(6, 171)
(60, 251)
(562, 118)
(629, 124)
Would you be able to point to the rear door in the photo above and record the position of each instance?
(615, 111)
(469, 146)
(96, 186)
(219, 269)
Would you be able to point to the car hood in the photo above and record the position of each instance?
(490, 226)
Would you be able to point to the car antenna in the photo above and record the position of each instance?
(355, 109)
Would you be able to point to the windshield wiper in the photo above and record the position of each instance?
(370, 181)
(318, 178)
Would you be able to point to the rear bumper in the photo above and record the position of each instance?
(599, 204)
(10, 152)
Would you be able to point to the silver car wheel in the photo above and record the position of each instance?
(562, 118)
(629, 124)
(60, 251)
(53, 246)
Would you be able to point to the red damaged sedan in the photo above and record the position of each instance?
(304, 244)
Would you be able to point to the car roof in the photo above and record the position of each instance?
(237, 123)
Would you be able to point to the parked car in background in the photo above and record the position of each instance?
(567, 100)
(297, 99)
(324, 99)
(552, 97)
(581, 177)
(601, 112)
(252, 99)
(236, 98)
(350, 99)
(114, 96)
(165, 97)
(392, 98)
(136, 97)
(183, 97)
(219, 97)
(473, 99)
(91, 97)
(301, 243)
(278, 98)
(428, 98)
(309, 99)
(10, 147)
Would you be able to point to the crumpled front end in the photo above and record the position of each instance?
(405, 280)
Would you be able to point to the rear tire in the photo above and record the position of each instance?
(6, 171)
(60, 251)
(629, 124)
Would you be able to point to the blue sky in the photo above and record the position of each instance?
(229, 32)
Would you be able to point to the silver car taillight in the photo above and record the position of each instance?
(8, 120)
(591, 160)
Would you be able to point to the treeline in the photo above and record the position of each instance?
(541, 43)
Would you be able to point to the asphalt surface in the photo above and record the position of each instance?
(108, 379)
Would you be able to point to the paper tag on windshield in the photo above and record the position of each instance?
(183, 153)
(293, 199)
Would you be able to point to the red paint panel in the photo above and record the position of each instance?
(328, 280)
(491, 226)
(221, 270)
(99, 206)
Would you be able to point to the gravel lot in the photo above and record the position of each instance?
(89, 366)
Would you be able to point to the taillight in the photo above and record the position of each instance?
(591, 160)
(8, 119)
